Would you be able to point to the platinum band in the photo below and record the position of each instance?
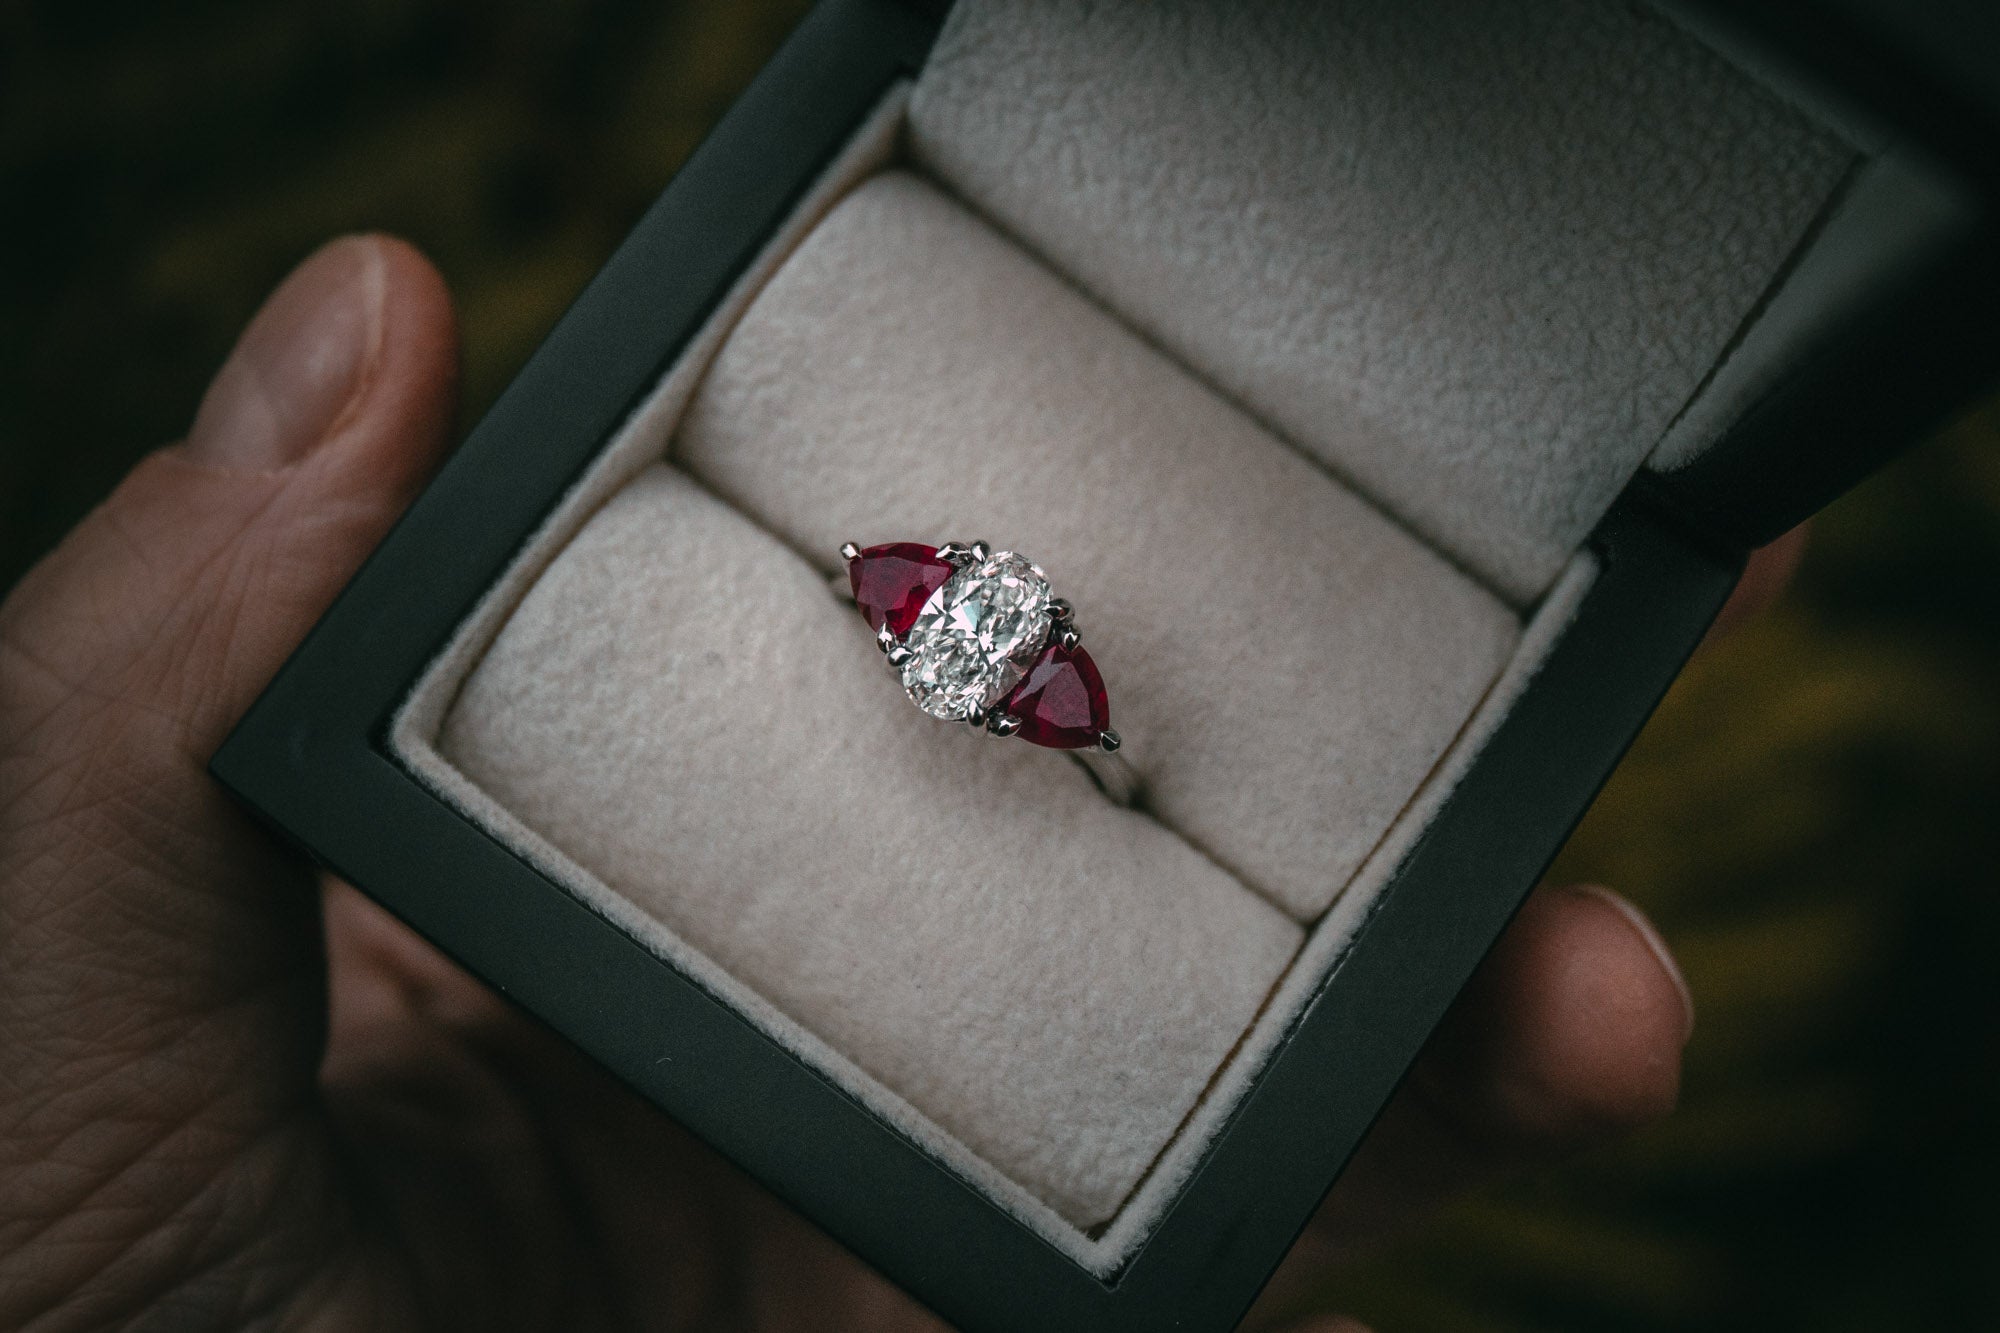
(1116, 778)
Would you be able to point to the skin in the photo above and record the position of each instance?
(234, 1097)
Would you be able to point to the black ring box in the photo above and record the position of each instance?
(311, 757)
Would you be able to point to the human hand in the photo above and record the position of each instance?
(230, 1099)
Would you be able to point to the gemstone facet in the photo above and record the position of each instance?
(1061, 701)
(891, 582)
(976, 635)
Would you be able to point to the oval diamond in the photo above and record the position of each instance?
(976, 636)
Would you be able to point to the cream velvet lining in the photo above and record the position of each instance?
(912, 371)
(661, 707)
(1473, 255)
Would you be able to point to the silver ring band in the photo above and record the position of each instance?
(978, 636)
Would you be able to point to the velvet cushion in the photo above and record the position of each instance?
(1284, 663)
(682, 707)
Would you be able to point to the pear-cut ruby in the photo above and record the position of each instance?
(891, 583)
(1061, 700)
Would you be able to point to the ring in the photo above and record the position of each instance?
(978, 636)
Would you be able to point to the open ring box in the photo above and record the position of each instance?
(1395, 390)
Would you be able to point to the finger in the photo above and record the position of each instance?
(1766, 575)
(383, 976)
(1569, 1034)
(151, 952)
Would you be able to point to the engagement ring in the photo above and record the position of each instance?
(978, 636)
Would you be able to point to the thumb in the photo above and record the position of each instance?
(153, 946)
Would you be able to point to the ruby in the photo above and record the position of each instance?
(891, 583)
(1061, 700)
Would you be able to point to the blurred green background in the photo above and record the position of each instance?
(1813, 818)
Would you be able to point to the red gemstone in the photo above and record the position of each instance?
(1061, 700)
(891, 583)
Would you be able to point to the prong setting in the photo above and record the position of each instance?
(978, 636)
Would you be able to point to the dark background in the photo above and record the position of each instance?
(1813, 818)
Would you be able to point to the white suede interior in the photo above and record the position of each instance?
(1475, 255)
(875, 390)
(1235, 285)
(1053, 979)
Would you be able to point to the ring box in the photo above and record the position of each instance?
(1396, 389)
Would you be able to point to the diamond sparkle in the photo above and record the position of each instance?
(977, 636)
